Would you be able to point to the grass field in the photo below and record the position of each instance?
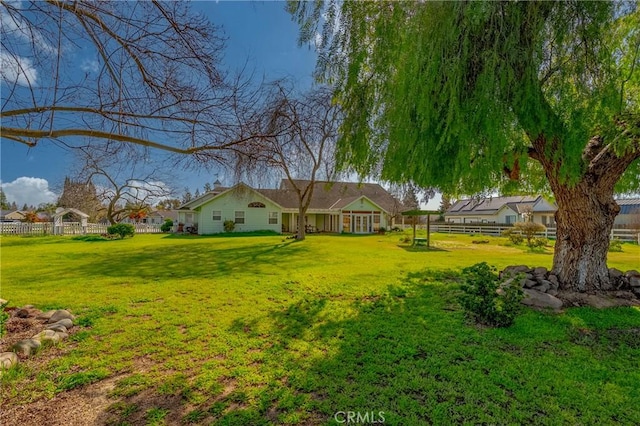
(262, 330)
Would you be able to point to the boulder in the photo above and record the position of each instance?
(8, 360)
(45, 315)
(527, 283)
(540, 271)
(615, 274)
(512, 271)
(57, 327)
(60, 314)
(67, 323)
(47, 336)
(536, 299)
(634, 281)
(543, 286)
(553, 292)
(26, 347)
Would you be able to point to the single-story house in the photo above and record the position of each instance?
(502, 210)
(359, 208)
(11, 215)
(158, 217)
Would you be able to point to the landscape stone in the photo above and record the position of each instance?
(45, 315)
(512, 271)
(543, 286)
(540, 271)
(525, 282)
(554, 280)
(8, 360)
(62, 335)
(26, 347)
(22, 313)
(537, 299)
(60, 314)
(615, 274)
(56, 327)
(47, 335)
(634, 281)
(553, 292)
(67, 323)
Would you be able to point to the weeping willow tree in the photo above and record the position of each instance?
(475, 96)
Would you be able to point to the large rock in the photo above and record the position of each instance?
(512, 271)
(26, 347)
(543, 286)
(540, 271)
(8, 360)
(66, 322)
(528, 283)
(47, 336)
(45, 315)
(634, 278)
(60, 314)
(56, 327)
(536, 299)
(554, 281)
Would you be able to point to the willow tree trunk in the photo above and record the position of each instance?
(584, 221)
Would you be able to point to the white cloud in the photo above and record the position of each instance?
(90, 65)
(17, 70)
(13, 25)
(28, 190)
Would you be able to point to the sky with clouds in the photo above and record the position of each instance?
(261, 33)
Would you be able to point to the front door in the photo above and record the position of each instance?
(361, 224)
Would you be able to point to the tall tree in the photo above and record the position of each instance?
(445, 203)
(4, 203)
(466, 96)
(145, 73)
(81, 194)
(300, 132)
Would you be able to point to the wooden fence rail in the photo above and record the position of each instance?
(621, 234)
(70, 228)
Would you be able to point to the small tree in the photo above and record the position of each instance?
(167, 225)
(529, 231)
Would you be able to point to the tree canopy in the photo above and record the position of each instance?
(455, 94)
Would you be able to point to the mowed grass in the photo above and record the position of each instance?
(264, 330)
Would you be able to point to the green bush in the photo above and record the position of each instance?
(515, 237)
(615, 245)
(229, 225)
(488, 301)
(121, 229)
(167, 225)
(540, 242)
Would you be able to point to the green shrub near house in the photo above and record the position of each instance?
(122, 230)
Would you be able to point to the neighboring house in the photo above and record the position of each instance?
(335, 207)
(502, 210)
(629, 216)
(11, 215)
(158, 217)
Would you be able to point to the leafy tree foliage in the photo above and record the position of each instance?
(473, 96)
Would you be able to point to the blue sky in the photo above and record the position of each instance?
(259, 32)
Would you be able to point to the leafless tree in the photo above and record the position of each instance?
(122, 187)
(298, 142)
(141, 73)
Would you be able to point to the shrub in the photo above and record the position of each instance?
(615, 245)
(529, 230)
(229, 225)
(488, 301)
(514, 236)
(540, 242)
(167, 225)
(121, 229)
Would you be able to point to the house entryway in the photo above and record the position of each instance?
(361, 224)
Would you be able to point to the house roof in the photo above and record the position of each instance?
(203, 199)
(629, 205)
(490, 206)
(4, 213)
(335, 195)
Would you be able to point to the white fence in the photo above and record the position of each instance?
(70, 228)
(496, 230)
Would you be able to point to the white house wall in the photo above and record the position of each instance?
(255, 218)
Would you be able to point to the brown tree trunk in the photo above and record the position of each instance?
(301, 225)
(584, 221)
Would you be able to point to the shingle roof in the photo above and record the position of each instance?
(518, 203)
(334, 195)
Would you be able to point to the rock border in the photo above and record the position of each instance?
(55, 328)
(542, 289)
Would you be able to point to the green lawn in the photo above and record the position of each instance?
(263, 330)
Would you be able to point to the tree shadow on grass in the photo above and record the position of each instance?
(196, 261)
(407, 356)
(420, 248)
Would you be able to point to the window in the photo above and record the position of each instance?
(273, 218)
(257, 204)
(511, 219)
(217, 215)
(239, 217)
(544, 219)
